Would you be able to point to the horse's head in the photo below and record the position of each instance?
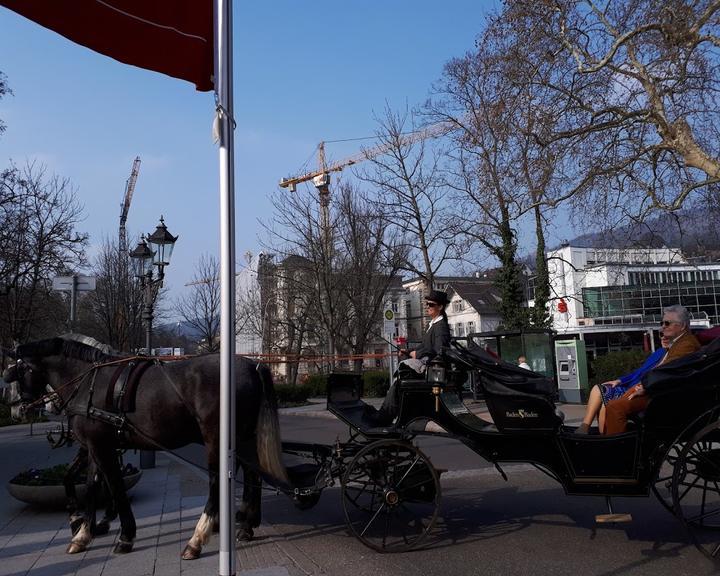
(24, 387)
(27, 378)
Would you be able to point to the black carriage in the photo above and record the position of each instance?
(391, 491)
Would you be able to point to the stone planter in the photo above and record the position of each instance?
(54, 496)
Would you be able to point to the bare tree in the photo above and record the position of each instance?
(639, 82)
(313, 294)
(200, 307)
(4, 91)
(115, 305)
(370, 257)
(305, 246)
(488, 196)
(38, 240)
(411, 191)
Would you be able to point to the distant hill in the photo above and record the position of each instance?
(695, 232)
(181, 330)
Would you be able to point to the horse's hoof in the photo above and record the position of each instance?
(244, 535)
(75, 548)
(123, 547)
(75, 524)
(102, 528)
(191, 553)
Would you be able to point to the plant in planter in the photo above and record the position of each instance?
(44, 486)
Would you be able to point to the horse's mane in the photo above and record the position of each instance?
(90, 341)
(69, 346)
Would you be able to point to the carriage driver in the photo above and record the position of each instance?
(436, 336)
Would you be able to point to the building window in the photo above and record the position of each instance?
(378, 357)
(458, 305)
(470, 327)
(460, 329)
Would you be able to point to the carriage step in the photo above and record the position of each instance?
(607, 518)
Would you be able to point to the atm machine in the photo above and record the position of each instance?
(572, 372)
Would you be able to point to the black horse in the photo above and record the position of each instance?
(81, 466)
(176, 403)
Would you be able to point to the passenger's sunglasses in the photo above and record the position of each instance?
(667, 323)
(431, 304)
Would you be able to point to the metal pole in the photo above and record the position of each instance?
(147, 457)
(390, 363)
(224, 129)
(73, 303)
(148, 313)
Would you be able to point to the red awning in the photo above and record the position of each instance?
(174, 37)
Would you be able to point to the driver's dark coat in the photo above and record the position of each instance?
(434, 339)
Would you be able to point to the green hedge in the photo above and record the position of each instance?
(317, 385)
(376, 383)
(292, 395)
(615, 364)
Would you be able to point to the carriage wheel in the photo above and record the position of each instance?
(696, 489)
(662, 487)
(391, 496)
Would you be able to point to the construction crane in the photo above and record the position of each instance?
(321, 176)
(125, 207)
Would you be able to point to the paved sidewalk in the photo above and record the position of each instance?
(167, 502)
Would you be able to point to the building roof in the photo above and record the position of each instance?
(482, 295)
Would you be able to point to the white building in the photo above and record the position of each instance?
(247, 339)
(572, 268)
(474, 305)
(620, 293)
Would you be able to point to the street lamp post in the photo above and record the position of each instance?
(153, 250)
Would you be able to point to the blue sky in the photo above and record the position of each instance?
(305, 71)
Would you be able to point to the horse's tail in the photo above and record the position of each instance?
(269, 445)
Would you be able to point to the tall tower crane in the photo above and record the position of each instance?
(125, 206)
(321, 176)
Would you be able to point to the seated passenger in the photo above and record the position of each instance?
(676, 328)
(601, 394)
(626, 396)
(436, 336)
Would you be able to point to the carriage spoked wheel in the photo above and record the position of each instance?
(391, 496)
(696, 489)
(662, 487)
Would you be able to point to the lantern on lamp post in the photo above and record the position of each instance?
(152, 252)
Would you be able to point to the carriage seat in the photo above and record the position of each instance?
(681, 390)
(344, 400)
(517, 409)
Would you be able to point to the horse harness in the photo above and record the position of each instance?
(120, 393)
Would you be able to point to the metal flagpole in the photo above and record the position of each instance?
(224, 127)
